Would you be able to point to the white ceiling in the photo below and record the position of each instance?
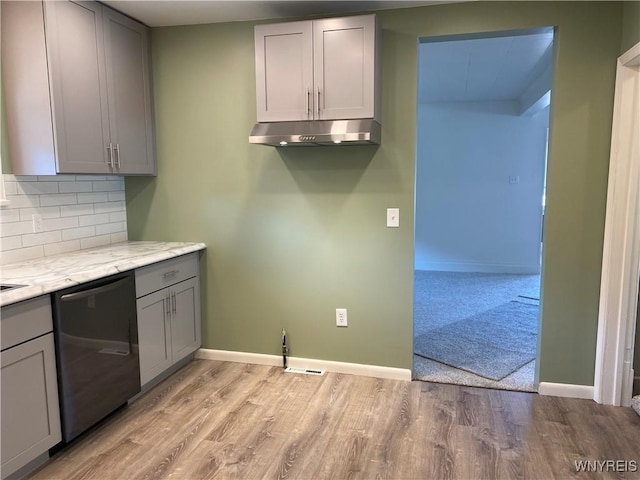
(160, 13)
(458, 70)
(482, 69)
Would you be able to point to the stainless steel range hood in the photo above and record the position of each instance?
(317, 132)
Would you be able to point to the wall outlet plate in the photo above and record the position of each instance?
(37, 223)
(341, 317)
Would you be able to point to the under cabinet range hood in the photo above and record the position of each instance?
(316, 133)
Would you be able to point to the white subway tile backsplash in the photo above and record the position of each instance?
(37, 188)
(78, 212)
(10, 243)
(15, 228)
(23, 201)
(81, 232)
(95, 197)
(109, 207)
(46, 212)
(61, 247)
(110, 228)
(21, 254)
(75, 210)
(97, 241)
(76, 187)
(50, 224)
(119, 237)
(60, 199)
(91, 178)
(41, 238)
(108, 186)
(116, 196)
(25, 178)
(9, 215)
(10, 188)
(118, 217)
(93, 219)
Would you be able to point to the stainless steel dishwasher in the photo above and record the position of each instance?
(96, 338)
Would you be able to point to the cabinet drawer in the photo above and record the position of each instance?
(25, 320)
(163, 274)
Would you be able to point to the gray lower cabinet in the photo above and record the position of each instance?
(29, 410)
(78, 92)
(168, 308)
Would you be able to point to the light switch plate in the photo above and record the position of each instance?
(393, 217)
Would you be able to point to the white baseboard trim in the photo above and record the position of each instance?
(240, 357)
(328, 365)
(566, 390)
(478, 267)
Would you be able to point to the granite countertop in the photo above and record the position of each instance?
(49, 274)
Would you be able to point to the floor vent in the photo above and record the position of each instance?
(304, 371)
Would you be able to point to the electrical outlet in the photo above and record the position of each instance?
(341, 317)
(37, 223)
(514, 179)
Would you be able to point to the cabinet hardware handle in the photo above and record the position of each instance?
(308, 102)
(175, 308)
(167, 304)
(117, 150)
(170, 274)
(318, 103)
(110, 159)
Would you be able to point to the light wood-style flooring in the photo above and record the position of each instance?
(237, 421)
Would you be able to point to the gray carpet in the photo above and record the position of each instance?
(491, 344)
(442, 298)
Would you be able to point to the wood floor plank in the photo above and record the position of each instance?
(221, 420)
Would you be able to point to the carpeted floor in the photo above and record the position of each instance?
(442, 298)
(492, 344)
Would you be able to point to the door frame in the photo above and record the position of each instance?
(613, 377)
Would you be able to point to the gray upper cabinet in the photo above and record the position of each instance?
(78, 86)
(284, 71)
(318, 70)
(78, 93)
(129, 94)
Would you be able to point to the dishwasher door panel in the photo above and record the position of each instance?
(96, 336)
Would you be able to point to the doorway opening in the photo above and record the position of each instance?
(481, 155)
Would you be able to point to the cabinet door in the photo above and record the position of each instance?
(154, 334)
(126, 47)
(30, 413)
(344, 67)
(74, 37)
(284, 71)
(185, 321)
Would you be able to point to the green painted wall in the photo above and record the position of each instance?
(630, 25)
(292, 234)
